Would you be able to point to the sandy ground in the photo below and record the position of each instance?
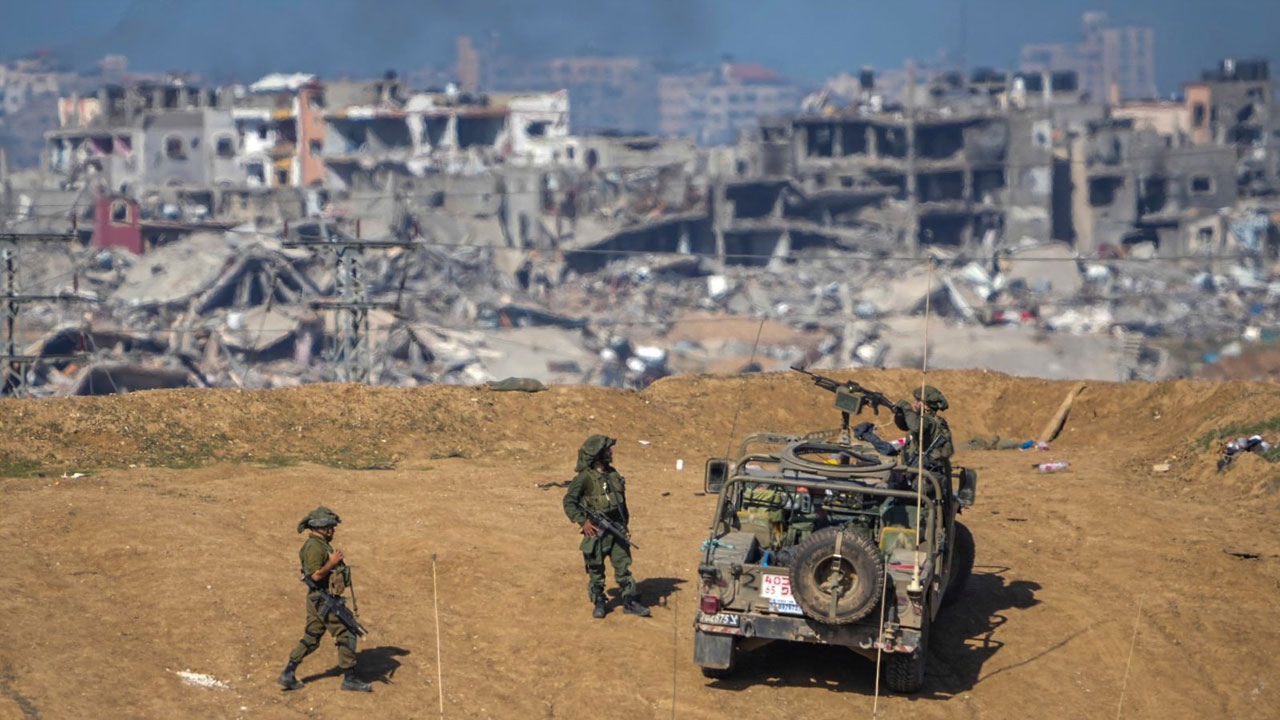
(118, 580)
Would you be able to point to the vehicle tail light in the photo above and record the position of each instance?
(710, 604)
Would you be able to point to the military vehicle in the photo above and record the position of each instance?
(816, 539)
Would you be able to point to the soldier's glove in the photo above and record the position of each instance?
(861, 430)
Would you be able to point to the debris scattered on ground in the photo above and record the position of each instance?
(1231, 448)
(1243, 554)
(200, 679)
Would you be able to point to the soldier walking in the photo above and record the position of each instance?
(599, 488)
(326, 577)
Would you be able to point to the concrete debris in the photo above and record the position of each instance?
(305, 230)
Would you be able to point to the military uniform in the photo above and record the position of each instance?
(603, 491)
(937, 435)
(313, 555)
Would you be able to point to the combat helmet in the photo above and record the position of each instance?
(321, 517)
(933, 398)
(591, 450)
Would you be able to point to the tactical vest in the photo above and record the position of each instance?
(605, 492)
(336, 580)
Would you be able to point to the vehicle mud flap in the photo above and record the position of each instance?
(713, 651)
(836, 576)
(968, 487)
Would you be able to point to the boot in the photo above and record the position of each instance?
(353, 683)
(287, 679)
(633, 606)
(600, 610)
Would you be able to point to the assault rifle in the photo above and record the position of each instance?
(858, 395)
(602, 521)
(337, 604)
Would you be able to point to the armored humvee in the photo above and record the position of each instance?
(816, 539)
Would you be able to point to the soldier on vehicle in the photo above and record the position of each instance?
(924, 410)
(598, 488)
(326, 576)
(909, 416)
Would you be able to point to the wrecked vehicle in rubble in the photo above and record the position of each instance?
(829, 542)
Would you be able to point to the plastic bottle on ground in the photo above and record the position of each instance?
(1052, 466)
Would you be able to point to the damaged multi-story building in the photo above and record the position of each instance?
(950, 175)
(1233, 104)
(280, 123)
(1138, 185)
(395, 139)
(126, 138)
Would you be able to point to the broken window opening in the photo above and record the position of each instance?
(820, 141)
(854, 139)
(173, 148)
(1155, 195)
(1197, 115)
(316, 147)
(986, 183)
(1102, 190)
(943, 229)
(282, 177)
(392, 133)
(483, 131)
(537, 128)
(225, 147)
(891, 142)
(939, 143)
(119, 212)
(1201, 185)
(939, 187)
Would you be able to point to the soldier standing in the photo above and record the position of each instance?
(598, 487)
(325, 574)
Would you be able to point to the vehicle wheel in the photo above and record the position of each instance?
(836, 576)
(962, 554)
(904, 672)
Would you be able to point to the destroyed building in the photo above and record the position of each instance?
(280, 132)
(375, 146)
(1134, 186)
(931, 178)
(147, 135)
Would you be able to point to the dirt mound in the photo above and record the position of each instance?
(177, 553)
(356, 426)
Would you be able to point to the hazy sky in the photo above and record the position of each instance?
(807, 39)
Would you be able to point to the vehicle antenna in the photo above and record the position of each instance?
(435, 601)
(743, 393)
(875, 702)
(1124, 685)
(924, 371)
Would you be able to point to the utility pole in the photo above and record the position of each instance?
(352, 354)
(17, 365)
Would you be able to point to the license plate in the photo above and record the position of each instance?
(776, 587)
(726, 619)
(785, 607)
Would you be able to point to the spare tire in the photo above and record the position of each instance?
(836, 575)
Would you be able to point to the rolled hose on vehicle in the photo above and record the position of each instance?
(836, 575)
(791, 455)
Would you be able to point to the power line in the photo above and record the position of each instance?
(15, 380)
